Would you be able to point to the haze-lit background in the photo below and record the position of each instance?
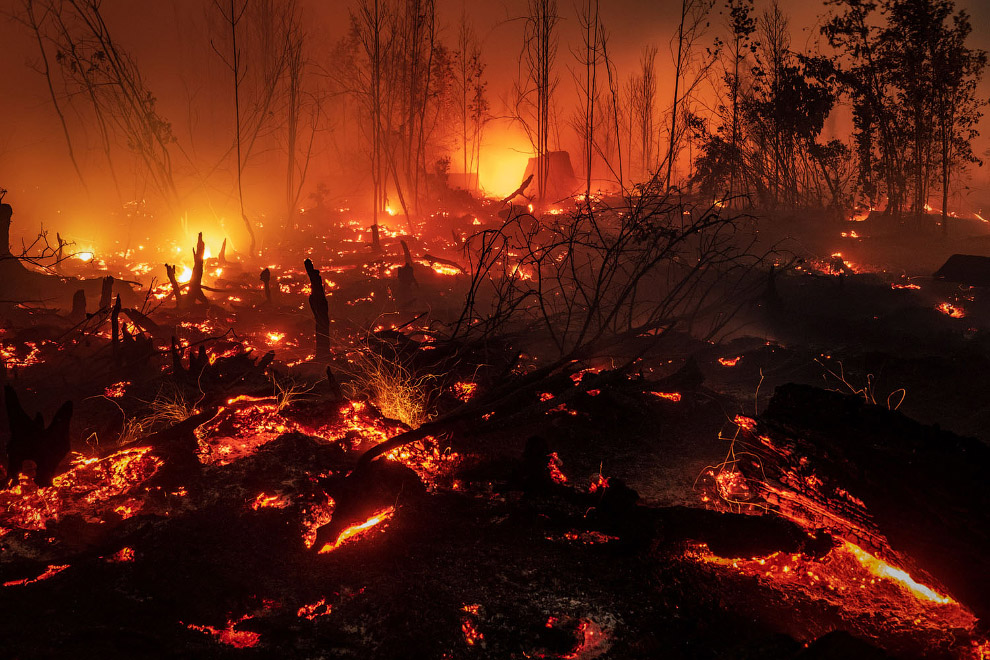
(170, 41)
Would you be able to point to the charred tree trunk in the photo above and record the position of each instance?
(115, 329)
(321, 311)
(78, 313)
(266, 278)
(176, 290)
(196, 283)
(106, 293)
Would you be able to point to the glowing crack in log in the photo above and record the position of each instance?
(359, 530)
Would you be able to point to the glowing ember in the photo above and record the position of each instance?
(50, 571)
(732, 486)
(885, 570)
(464, 391)
(591, 639)
(443, 269)
(670, 396)
(116, 390)
(854, 580)
(427, 459)
(896, 285)
(85, 256)
(360, 529)
(598, 483)
(588, 537)
(729, 362)
(472, 636)
(123, 555)
(315, 517)
(239, 639)
(950, 310)
(578, 376)
(93, 488)
(275, 337)
(554, 466)
(744, 422)
(263, 501)
(240, 428)
(314, 610)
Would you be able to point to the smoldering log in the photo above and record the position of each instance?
(867, 473)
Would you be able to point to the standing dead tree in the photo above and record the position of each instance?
(93, 68)
(372, 27)
(536, 84)
(34, 18)
(270, 28)
(691, 26)
(589, 56)
(642, 92)
(471, 102)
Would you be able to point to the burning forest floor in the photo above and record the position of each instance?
(218, 489)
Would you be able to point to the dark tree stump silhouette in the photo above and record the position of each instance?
(78, 313)
(321, 311)
(30, 440)
(106, 293)
(266, 279)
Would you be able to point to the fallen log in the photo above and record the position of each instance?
(914, 494)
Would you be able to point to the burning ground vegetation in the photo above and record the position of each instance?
(617, 428)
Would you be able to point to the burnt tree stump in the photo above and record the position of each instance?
(106, 293)
(78, 313)
(266, 279)
(195, 293)
(31, 440)
(115, 329)
(321, 310)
